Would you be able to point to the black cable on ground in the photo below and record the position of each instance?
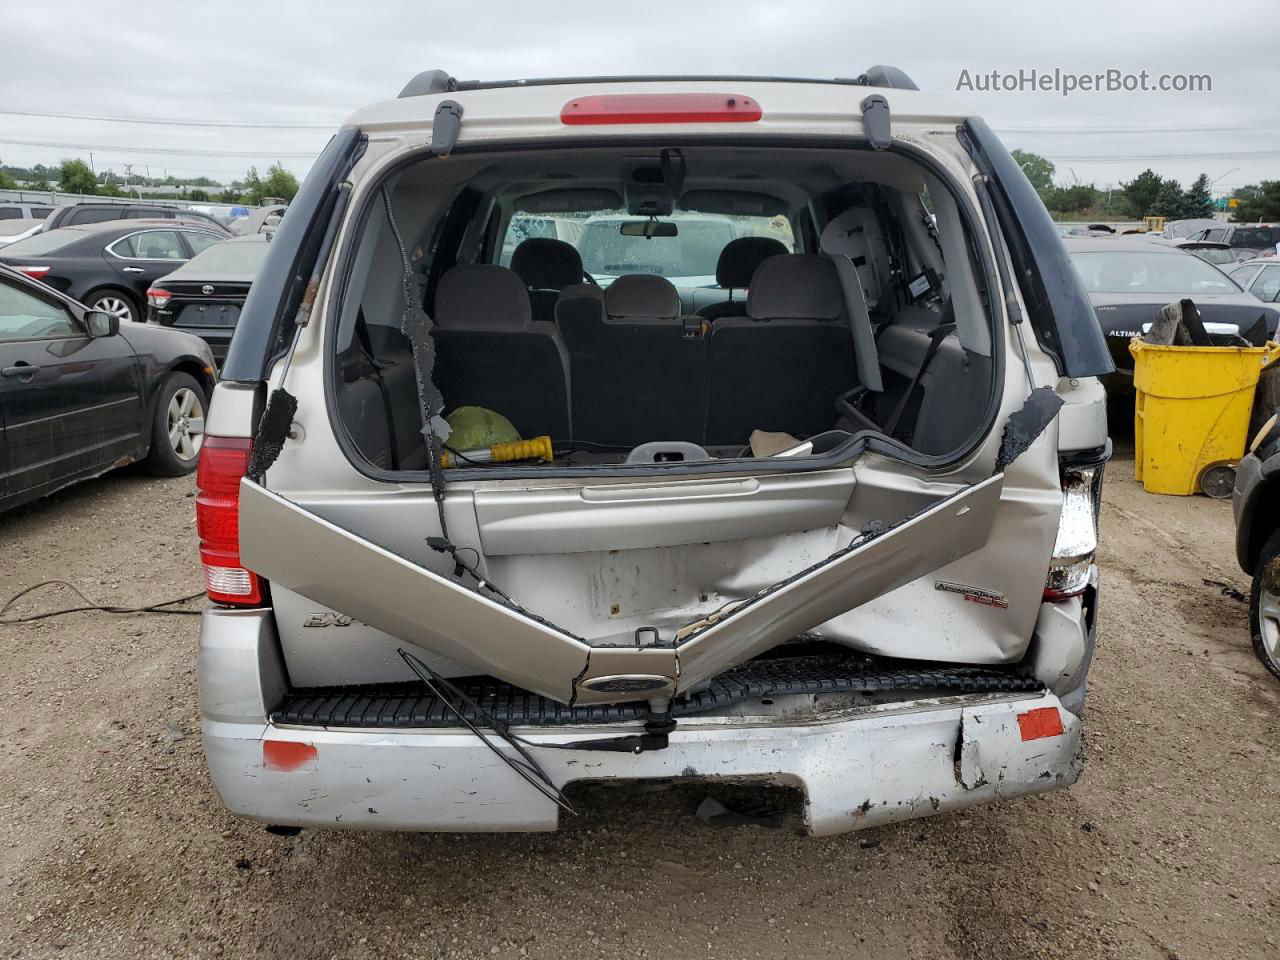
(89, 605)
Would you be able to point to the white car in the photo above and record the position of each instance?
(19, 229)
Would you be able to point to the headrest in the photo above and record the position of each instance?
(739, 259)
(482, 296)
(547, 264)
(798, 286)
(579, 290)
(642, 295)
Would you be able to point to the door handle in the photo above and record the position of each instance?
(23, 371)
(132, 269)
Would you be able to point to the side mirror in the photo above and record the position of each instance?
(101, 324)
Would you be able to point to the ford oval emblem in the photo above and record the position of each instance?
(628, 683)
(207, 289)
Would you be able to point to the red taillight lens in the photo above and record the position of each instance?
(36, 273)
(223, 462)
(158, 297)
(661, 108)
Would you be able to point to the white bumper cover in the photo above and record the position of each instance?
(858, 768)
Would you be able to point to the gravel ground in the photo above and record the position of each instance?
(113, 845)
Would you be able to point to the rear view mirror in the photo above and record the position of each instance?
(99, 323)
(648, 228)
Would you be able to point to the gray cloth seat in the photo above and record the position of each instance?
(546, 266)
(636, 376)
(781, 367)
(491, 353)
(734, 270)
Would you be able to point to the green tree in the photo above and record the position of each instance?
(1197, 202)
(1038, 170)
(251, 187)
(1076, 199)
(229, 195)
(279, 183)
(7, 182)
(1141, 192)
(1168, 202)
(198, 196)
(38, 184)
(76, 177)
(1258, 201)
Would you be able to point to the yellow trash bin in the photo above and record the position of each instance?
(1191, 413)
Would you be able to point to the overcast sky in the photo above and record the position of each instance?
(296, 62)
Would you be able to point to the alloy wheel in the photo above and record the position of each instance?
(185, 421)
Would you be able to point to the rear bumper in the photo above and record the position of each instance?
(857, 768)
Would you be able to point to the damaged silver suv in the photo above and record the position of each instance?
(652, 428)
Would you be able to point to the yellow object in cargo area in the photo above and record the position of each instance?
(1191, 411)
(539, 448)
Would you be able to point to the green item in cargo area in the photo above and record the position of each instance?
(476, 428)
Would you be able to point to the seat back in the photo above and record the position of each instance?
(734, 270)
(491, 353)
(546, 266)
(636, 375)
(781, 367)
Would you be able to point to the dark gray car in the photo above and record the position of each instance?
(1129, 280)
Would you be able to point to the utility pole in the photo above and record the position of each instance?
(91, 167)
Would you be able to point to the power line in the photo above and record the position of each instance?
(161, 121)
(1153, 157)
(109, 148)
(1114, 131)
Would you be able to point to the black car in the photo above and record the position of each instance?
(79, 214)
(109, 266)
(81, 393)
(204, 296)
(1248, 239)
(1130, 279)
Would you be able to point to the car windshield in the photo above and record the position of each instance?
(1255, 236)
(229, 257)
(1132, 271)
(42, 243)
(607, 252)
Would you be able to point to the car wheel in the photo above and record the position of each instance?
(177, 426)
(114, 302)
(1264, 606)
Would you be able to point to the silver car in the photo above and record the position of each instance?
(480, 526)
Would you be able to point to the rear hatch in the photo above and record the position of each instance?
(203, 304)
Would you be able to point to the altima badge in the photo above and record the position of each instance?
(973, 594)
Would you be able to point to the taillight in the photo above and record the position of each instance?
(661, 108)
(36, 273)
(158, 297)
(223, 462)
(1077, 542)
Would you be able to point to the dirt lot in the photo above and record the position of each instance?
(113, 845)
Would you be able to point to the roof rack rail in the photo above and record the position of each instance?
(882, 75)
(427, 82)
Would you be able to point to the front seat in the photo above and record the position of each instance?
(737, 264)
(546, 266)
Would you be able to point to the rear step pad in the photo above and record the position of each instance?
(410, 705)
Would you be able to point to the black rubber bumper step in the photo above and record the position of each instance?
(411, 705)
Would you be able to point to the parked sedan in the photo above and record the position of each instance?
(204, 296)
(81, 392)
(109, 266)
(1130, 279)
(1260, 276)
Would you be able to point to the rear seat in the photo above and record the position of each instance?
(491, 353)
(782, 366)
(636, 376)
